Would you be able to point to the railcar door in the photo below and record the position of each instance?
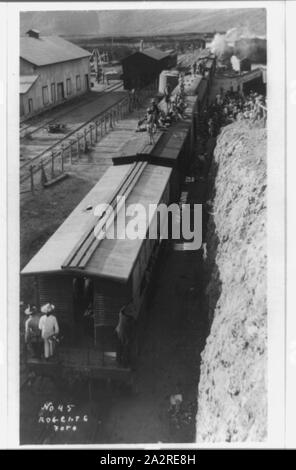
(83, 309)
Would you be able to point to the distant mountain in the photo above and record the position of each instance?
(149, 22)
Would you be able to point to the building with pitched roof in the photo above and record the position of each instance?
(144, 66)
(52, 70)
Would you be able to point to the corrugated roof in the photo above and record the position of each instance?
(112, 258)
(26, 81)
(49, 50)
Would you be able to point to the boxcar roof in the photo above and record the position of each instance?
(112, 258)
(191, 85)
(170, 144)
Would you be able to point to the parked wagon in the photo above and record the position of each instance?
(56, 128)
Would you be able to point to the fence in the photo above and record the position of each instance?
(77, 145)
(81, 142)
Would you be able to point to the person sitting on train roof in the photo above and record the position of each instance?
(32, 332)
(164, 121)
(140, 127)
(155, 110)
(49, 329)
(176, 108)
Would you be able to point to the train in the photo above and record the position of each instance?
(88, 277)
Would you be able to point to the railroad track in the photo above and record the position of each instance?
(45, 155)
(23, 129)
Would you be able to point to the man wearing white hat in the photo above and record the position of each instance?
(49, 328)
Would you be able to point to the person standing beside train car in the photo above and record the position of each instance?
(49, 327)
(125, 330)
(32, 332)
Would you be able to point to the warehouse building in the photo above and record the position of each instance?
(52, 70)
(144, 66)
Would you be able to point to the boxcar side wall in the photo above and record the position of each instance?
(143, 267)
(57, 289)
(109, 298)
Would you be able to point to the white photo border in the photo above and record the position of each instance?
(276, 211)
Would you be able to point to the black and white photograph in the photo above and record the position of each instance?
(146, 272)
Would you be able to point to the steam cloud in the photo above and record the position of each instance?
(239, 41)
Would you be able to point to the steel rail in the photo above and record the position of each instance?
(75, 106)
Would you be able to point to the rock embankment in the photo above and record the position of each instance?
(232, 395)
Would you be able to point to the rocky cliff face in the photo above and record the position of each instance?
(232, 395)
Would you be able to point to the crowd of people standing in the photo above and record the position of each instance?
(231, 107)
(226, 109)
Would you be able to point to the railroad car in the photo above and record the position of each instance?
(89, 277)
(78, 271)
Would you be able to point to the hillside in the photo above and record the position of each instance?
(232, 395)
(134, 22)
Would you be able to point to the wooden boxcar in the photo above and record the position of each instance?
(75, 271)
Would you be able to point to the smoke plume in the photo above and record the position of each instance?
(241, 42)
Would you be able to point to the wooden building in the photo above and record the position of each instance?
(144, 67)
(52, 70)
